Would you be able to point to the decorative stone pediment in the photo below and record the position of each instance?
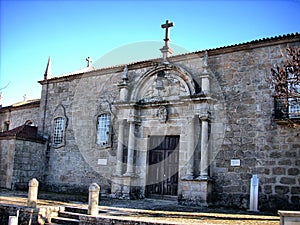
(163, 83)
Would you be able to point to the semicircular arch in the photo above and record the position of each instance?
(176, 77)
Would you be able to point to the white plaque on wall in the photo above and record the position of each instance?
(235, 162)
(102, 161)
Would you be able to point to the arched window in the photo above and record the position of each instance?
(58, 131)
(103, 129)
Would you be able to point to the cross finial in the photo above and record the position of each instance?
(166, 49)
(89, 60)
(166, 26)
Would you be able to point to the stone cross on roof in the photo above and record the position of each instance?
(166, 49)
(89, 60)
(166, 26)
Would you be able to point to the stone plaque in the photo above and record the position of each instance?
(102, 162)
(235, 162)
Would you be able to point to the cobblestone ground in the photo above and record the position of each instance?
(150, 210)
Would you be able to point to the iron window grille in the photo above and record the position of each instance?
(103, 130)
(287, 108)
(58, 133)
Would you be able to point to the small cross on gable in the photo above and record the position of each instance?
(89, 60)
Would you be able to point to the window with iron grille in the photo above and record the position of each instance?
(58, 132)
(289, 107)
(103, 129)
(294, 101)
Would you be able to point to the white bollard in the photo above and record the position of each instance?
(94, 190)
(254, 193)
(32, 193)
(13, 220)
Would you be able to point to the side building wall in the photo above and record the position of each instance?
(29, 162)
(7, 150)
(17, 115)
(21, 160)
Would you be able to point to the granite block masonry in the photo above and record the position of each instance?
(172, 128)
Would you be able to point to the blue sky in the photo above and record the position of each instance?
(69, 31)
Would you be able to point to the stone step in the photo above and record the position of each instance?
(76, 210)
(66, 221)
(70, 215)
(80, 210)
(53, 224)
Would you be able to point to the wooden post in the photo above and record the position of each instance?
(94, 190)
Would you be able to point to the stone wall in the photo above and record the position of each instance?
(21, 160)
(28, 163)
(19, 115)
(264, 148)
(4, 118)
(73, 166)
(7, 150)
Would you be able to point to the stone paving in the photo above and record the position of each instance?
(168, 212)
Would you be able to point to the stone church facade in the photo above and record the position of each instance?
(194, 128)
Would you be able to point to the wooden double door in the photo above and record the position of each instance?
(162, 173)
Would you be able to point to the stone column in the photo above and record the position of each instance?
(32, 193)
(131, 142)
(94, 190)
(120, 149)
(204, 145)
(190, 149)
(124, 85)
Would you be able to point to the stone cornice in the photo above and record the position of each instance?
(180, 101)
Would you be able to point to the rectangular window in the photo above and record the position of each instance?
(293, 101)
(58, 133)
(294, 108)
(103, 129)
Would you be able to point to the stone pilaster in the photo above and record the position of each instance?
(204, 145)
(120, 149)
(205, 83)
(123, 92)
(131, 144)
(123, 86)
(205, 76)
(190, 149)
